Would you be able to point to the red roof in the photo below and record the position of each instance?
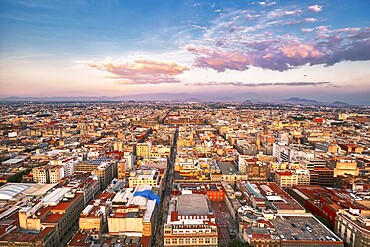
(46, 231)
(117, 154)
(62, 206)
(53, 218)
(284, 173)
(259, 236)
(79, 240)
(174, 216)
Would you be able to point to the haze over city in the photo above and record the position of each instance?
(172, 123)
(267, 50)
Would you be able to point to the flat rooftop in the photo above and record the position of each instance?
(192, 204)
(227, 168)
(303, 228)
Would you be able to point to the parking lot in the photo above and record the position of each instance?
(304, 228)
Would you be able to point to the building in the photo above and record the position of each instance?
(88, 185)
(258, 236)
(129, 158)
(353, 227)
(121, 169)
(322, 176)
(229, 173)
(344, 165)
(251, 165)
(271, 217)
(132, 212)
(214, 191)
(46, 222)
(320, 173)
(281, 151)
(48, 174)
(106, 171)
(327, 202)
(267, 196)
(289, 178)
(190, 222)
(304, 230)
(69, 164)
(93, 217)
(147, 176)
(143, 149)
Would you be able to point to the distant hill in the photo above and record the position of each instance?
(297, 100)
(339, 103)
(192, 99)
(178, 97)
(245, 97)
(138, 97)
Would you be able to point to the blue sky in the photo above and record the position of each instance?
(312, 49)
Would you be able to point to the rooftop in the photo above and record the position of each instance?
(302, 228)
(227, 168)
(192, 204)
(9, 191)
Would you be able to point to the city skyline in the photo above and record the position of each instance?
(275, 49)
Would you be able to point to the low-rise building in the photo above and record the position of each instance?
(190, 222)
(147, 176)
(289, 178)
(353, 227)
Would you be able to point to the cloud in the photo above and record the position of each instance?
(141, 71)
(266, 3)
(273, 40)
(267, 55)
(315, 8)
(220, 61)
(310, 19)
(261, 84)
(307, 30)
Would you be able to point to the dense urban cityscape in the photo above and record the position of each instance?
(164, 123)
(184, 174)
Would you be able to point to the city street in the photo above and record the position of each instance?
(223, 220)
(157, 239)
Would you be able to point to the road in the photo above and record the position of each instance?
(223, 220)
(157, 239)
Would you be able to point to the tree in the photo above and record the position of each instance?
(238, 243)
(17, 178)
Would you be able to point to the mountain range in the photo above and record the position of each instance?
(175, 97)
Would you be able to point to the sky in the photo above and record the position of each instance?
(273, 49)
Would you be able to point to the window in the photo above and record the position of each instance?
(168, 241)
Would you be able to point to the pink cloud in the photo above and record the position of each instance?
(300, 51)
(254, 42)
(315, 8)
(219, 60)
(142, 71)
(266, 55)
(280, 39)
(287, 52)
